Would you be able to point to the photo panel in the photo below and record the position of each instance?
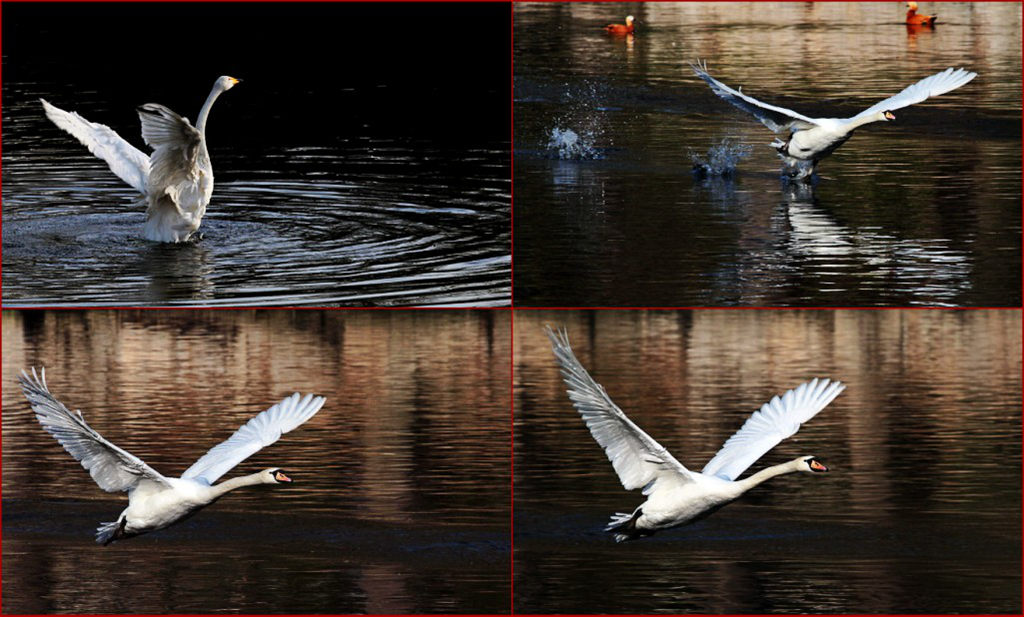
(393, 497)
(361, 154)
(909, 500)
(767, 154)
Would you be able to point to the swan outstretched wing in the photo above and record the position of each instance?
(777, 419)
(256, 434)
(112, 468)
(777, 119)
(639, 461)
(176, 149)
(939, 83)
(125, 160)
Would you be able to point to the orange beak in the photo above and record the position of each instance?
(889, 116)
(816, 466)
(282, 478)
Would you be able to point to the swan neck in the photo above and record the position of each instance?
(859, 122)
(229, 485)
(767, 474)
(205, 111)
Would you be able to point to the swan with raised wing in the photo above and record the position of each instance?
(675, 495)
(812, 139)
(176, 181)
(156, 501)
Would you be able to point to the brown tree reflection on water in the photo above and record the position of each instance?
(401, 479)
(922, 510)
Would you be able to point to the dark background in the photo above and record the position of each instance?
(312, 73)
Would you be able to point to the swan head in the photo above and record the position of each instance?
(811, 464)
(629, 20)
(274, 475)
(225, 83)
(886, 115)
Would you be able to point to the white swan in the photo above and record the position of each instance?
(177, 181)
(812, 139)
(155, 501)
(675, 495)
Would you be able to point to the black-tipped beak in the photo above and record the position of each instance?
(817, 465)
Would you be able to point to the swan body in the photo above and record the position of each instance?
(913, 19)
(675, 495)
(156, 501)
(626, 28)
(176, 181)
(812, 139)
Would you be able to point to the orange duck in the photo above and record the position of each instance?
(913, 19)
(626, 28)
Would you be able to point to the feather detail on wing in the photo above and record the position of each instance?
(125, 160)
(777, 419)
(176, 148)
(777, 119)
(256, 434)
(939, 83)
(639, 460)
(112, 468)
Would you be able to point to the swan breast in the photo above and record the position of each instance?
(817, 142)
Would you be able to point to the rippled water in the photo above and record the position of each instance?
(372, 222)
(920, 513)
(401, 495)
(924, 210)
(368, 183)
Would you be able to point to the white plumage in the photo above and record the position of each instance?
(176, 181)
(676, 495)
(812, 139)
(155, 501)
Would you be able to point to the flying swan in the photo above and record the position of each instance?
(176, 181)
(812, 139)
(675, 495)
(155, 501)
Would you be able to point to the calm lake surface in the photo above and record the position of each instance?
(401, 499)
(921, 211)
(921, 510)
(382, 181)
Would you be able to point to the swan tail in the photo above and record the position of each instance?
(125, 160)
(110, 532)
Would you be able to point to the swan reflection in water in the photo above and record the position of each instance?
(178, 272)
(156, 501)
(815, 235)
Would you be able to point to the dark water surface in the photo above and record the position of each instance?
(401, 495)
(353, 165)
(921, 510)
(924, 210)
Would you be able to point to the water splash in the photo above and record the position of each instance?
(721, 160)
(579, 126)
(568, 145)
